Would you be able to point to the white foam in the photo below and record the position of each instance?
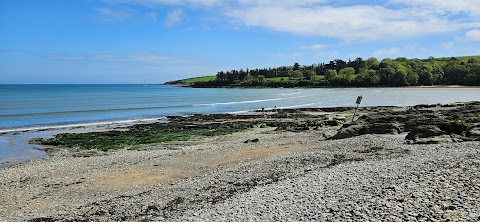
(254, 101)
(53, 127)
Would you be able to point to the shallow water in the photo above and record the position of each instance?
(25, 109)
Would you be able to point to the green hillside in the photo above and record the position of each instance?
(461, 70)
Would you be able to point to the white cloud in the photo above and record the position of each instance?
(448, 45)
(281, 2)
(153, 15)
(173, 17)
(473, 35)
(359, 20)
(110, 15)
(143, 57)
(296, 55)
(471, 7)
(206, 3)
(348, 23)
(211, 3)
(314, 47)
(65, 57)
(386, 52)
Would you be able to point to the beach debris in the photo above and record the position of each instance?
(251, 140)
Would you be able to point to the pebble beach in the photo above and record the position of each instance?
(290, 176)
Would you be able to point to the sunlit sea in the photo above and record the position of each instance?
(23, 106)
(28, 107)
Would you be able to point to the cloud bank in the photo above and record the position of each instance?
(360, 20)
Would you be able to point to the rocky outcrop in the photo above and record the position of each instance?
(424, 123)
(351, 130)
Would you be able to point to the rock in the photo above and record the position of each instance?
(435, 140)
(424, 131)
(252, 141)
(360, 129)
(333, 122)
(474, 133)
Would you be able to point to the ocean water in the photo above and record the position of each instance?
(24, 108)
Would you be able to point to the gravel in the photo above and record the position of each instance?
(284, 176)
(431, 183)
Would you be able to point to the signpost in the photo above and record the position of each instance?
(359, 100)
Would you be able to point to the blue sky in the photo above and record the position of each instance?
(153, 41)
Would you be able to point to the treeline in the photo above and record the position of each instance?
(358, 72)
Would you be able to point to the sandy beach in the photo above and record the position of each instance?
(344, 172)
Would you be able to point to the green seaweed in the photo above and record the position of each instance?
(143, 134)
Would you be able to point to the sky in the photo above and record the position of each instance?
(153, 41)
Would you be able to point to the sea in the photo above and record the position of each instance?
(30, 111)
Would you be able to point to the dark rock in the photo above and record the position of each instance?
(435, 140)
(332, 122)
(42, 219)
(426, 123)
(474, 134)
(251, 141)
(423, 106)
(424, 131)
(456, 127)
(351, 130)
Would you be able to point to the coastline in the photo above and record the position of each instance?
(333, 87)
(298, 171)
(106, 124)
(444, 87)
(22, 150)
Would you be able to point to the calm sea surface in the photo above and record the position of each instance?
(38, 106)
(24, 106)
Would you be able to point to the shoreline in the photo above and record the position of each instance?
(29, 133)
(81, 125)
(309, 163)
(327, 87)
(444, 87)
(18, 139)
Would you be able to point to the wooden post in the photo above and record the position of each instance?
(359, 100)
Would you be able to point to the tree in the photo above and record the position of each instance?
(331, 74)
(473, 77)
(296, 66)
(412, 78)
(309, 74)
(297, 74)
(221, 76)
(261, 79)
(339, 64)
(455, 73)
(372, 63)
(345, 76)
(386, 71)
(348, 71)
(437, 73)
(369, 77)
(425, 75)
(400, 78)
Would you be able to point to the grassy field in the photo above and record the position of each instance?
(277, 79)
(444, 59)
(200, 79)
(286, 79)
(318, 77)
(468, 57)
